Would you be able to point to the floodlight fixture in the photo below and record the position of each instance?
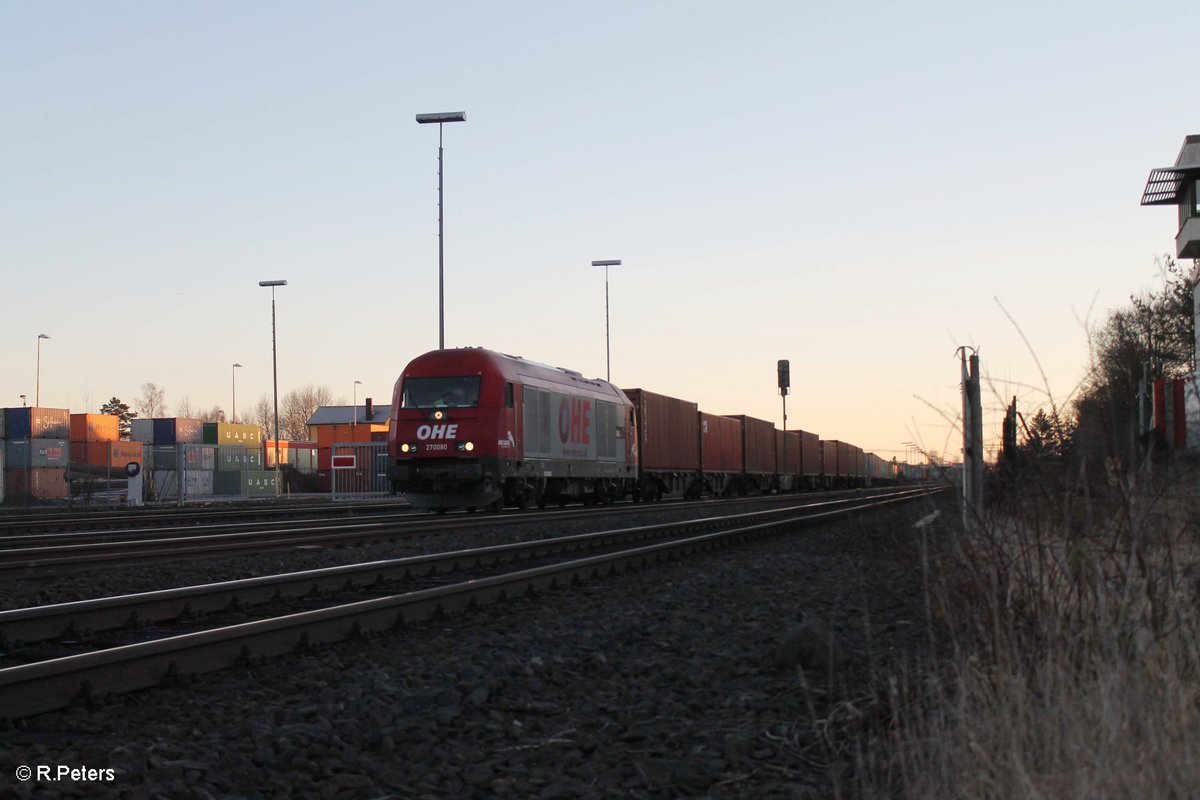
(444, 116)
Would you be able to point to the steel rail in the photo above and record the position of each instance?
(79, 552)
(108, 518)
(82, 617)
(48, 685)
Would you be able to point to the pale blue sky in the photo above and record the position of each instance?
(848, 187)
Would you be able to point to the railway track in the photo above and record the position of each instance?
(14, 523)
(81, 550)
(34, 688)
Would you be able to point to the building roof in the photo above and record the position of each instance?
(1165, 183)
(344, 415)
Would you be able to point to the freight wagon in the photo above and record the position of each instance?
(668, 445)
(720, 453)
(758, 454)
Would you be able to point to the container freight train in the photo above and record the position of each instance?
(471, 428)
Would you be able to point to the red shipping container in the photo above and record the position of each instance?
(95, 428)
(758, 444)
(829, 457)
(792, 452)
(810, 453)
(720, 443)
(45, 483)
(668, 431)
(846, 461)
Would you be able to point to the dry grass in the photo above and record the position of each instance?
(1069, 659)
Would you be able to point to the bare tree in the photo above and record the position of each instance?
(263, 414)
(153, 401)
(214, 414)
(184, 408)
(298, 406)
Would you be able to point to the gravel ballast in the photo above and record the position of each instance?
(722, 675)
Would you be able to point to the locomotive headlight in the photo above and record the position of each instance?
(439, 415)
(408, 448)
(464, 447)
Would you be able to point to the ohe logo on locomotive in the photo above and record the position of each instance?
(437, 432)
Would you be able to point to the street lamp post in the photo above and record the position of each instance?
(274, 374)
(354, 408)
(440, 119)
(37, 388)
(607, 353)
(233, 371)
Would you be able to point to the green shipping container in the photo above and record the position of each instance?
(235, 458)
(232, 433)
(228, 483)
(260, 483)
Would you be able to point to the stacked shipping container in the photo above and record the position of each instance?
(205, 459)
(36, 452)
(96, 444)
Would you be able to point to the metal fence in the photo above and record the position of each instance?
(360, 470)
(183, 472)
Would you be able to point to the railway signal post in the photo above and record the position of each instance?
(785, 382)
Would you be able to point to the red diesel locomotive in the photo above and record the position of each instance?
(472, 428)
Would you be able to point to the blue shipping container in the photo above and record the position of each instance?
(178, 430)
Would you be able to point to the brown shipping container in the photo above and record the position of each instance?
(95, 428)
(720, 443)
(668, 431)
(46, 483)
(792, 452)
(810, 453)
(829, 460)
(758, 444)
(37, 423)
(845, 459)
(106, 454)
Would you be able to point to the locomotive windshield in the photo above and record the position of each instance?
(441, 392)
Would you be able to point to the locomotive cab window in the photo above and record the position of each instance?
(441, 392)
(508, 395)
